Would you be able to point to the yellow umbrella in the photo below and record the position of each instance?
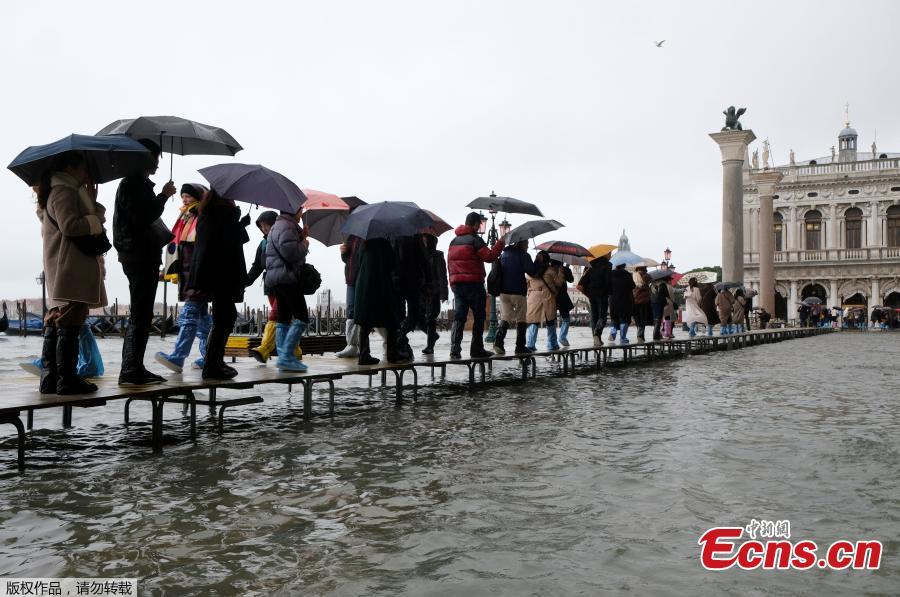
(601, 250)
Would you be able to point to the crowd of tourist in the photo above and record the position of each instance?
(394, 286)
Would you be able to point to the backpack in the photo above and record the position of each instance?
(309, 278)
(495, 279)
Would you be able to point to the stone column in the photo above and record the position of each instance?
(766, 181)
(733, 145)
(793, 302)
(833, 294)
(875, 299)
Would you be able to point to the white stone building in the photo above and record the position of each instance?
(836, 226)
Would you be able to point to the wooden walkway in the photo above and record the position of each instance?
(19, 396)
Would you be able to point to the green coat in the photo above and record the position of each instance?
(376, 300)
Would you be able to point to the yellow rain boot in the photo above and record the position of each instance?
(267, 344)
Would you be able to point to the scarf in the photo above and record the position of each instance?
(61, 179)
(185, 229)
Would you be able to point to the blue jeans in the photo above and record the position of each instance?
(564, 329)
(351, 301)
(193, 321)
(469, 295)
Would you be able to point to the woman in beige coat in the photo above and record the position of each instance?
(74, 278)
(724, 305)
(541, 300)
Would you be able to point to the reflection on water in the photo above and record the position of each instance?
(598, 484)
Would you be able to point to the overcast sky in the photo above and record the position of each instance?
(567, 104)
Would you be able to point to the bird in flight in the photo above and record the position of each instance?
(659, 43)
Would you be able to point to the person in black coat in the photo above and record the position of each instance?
(621, 301)
(139, 248)
(377, 301)
(596, 285)
(564, 302)
(411, 275)
(219, 271)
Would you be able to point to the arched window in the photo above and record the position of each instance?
(893, 226)
(853, 220)
(813, 221)
(778, 225)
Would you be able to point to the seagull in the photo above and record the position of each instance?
(659, 43)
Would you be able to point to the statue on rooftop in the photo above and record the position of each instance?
(874, 150)
(832, 153)
(755, 159)
(731, 119)
(766, 154)
(793, 163)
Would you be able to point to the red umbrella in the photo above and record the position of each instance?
(564, 248)
(323, 216)
(439, 227)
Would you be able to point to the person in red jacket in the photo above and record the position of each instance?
(466, 258)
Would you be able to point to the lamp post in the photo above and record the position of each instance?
(43, 282)
(666, 263)
(493, 235)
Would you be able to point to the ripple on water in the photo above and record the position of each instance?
(598, 483)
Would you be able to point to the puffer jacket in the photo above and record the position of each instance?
(467, 255)
(285, 252)
(137, 207)
(516, 264)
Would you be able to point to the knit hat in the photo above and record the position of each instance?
(266, 217)
(194, 190)
(152, 146)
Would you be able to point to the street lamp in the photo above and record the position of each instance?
(504, 227)
(43, 282)
(666, 263)
(491, 239)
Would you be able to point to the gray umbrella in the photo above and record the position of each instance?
(176, 135)
(505, 204)
(255, 184)
(388, 219)
(812, 300)
(721, 285)
(531, 229)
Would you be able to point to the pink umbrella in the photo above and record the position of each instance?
(323, 215)
(439, 227)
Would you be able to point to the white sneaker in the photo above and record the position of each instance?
(350, 351)
(163, 360)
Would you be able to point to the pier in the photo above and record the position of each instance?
(20, 398)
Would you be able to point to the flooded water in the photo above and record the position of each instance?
(601, 484)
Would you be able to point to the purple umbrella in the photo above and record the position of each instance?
(255, 184)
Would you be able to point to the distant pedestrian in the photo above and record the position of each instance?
(708, 304)
(564, 303)
(738, 309)
(643, 312)
(693, 313)
(465, 261)
(621, 302)
(515, 264)
(350, 256)
(218, 271)
(725, 307)
(541, 300)
(435, 291)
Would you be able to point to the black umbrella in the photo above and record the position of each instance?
(108, 157)
(176, 135)
(388, 219)
(252, 183)
(505, 204)
(812, 300)
(531, 229)
(720, 285)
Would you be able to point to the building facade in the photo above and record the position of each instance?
(836, 227)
